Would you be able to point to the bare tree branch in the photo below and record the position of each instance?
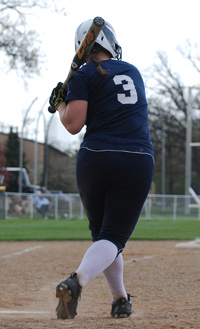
(18, 42)
(191, 52)
(167, 118)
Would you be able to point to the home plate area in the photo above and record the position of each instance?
(162, 276)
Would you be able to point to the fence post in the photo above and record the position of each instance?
(81, 209)
(70, 206)
(2, 202)
(31, 206)
(56, 207)
(148, 207)
(175, 207)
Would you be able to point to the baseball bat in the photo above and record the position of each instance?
(83, 51)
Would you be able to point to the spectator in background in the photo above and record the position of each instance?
(42, 204)
(18, 206)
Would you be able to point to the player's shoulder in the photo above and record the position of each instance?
(128, 65)
(121, 65)
(87, 69)
(85, 66)
(108, 63)
(113, 66)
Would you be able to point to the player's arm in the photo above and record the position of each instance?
(73, 115)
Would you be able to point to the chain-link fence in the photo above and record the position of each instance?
(160, 206)
(68, 206)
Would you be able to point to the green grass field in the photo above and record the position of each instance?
(39, 229)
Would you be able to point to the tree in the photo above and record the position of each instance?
(65, 178)
(167, 114)
(18, 42)
(191, 53)
(2, 157)
(12, 150)
(3, 175)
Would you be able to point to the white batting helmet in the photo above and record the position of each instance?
(106, 38)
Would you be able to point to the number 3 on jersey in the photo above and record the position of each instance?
(128, 85)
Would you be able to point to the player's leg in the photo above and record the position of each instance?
(114, 277)
(131, 179)
(92, 183)
(92, 188)
(113, 187)
(123, 205)
(97, 258)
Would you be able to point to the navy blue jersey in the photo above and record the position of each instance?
(117, 116)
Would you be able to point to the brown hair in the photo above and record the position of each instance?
(93, 56)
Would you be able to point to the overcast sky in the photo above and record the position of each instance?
(143, 27)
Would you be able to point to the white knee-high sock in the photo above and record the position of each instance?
(114, 278)
(96, 259)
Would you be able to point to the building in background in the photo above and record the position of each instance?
(59, 172)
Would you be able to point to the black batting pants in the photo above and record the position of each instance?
(113, 187)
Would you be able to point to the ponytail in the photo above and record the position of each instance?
(93, 56)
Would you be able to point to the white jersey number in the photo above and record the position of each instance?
(128, 85)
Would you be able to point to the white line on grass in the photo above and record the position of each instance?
(21, 252)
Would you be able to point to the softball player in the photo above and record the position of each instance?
(114, 164)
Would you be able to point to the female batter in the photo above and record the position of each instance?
(114, 165)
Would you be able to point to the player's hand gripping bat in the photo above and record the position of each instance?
(83, 51)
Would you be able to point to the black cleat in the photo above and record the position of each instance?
(122, 308)
(68, 292)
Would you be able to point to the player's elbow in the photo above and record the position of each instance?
(72, 126)
(73, 117)
(73, 129)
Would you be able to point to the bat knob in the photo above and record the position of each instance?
(99, 21)
(51, 109)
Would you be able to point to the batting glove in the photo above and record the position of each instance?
(58, 96)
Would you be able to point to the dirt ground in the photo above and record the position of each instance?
(163, 277)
